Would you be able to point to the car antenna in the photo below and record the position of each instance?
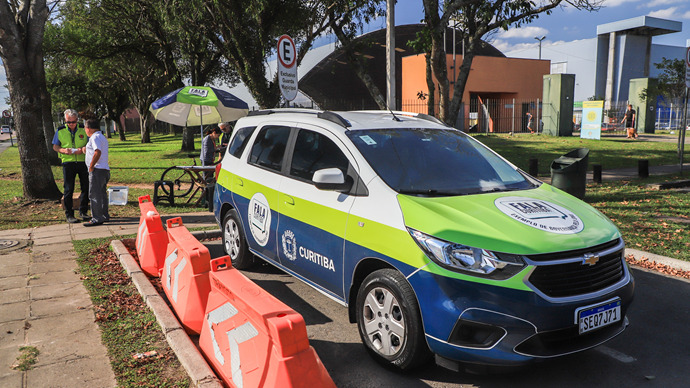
(394, 116)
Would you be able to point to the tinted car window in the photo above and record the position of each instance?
(314, 151)
(435, 162)
(269, 147)
(239, 142)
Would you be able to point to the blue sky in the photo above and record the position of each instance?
(565, 24)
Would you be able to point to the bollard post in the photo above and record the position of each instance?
(596, 173)
(534, 167)
(643, 168)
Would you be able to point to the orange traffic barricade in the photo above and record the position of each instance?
(152, 239)
(184, 275)
(251, 339)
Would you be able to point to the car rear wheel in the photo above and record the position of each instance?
(389, 321)
(235, 242)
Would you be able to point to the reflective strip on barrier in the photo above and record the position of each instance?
(168, 262)
(221, 314)
(178, 270)
(185, 275)
(235, 338)
(251, 339)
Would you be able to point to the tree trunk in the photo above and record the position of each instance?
(356, 63)
(21, 39)
(48, 128)
(460, 83)
(431, 98)
(37, 177)
(188, 139)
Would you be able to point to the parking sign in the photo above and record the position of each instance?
(287, 67)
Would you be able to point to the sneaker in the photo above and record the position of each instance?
(92, 223)
(84, 216)
(72, 220)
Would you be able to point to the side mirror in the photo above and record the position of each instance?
(331, 179)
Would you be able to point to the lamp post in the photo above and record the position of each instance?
(540, 39)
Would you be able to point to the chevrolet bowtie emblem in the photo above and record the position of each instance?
(590, 259)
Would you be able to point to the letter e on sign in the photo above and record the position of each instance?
(287, 69)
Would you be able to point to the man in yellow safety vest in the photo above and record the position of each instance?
(68, 142)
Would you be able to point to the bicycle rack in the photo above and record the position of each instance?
(170, 197)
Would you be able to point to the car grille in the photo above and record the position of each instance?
(575, 278)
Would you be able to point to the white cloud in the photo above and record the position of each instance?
(664, 13)
(523, 32)
(616, 3)
(657, 3)
(686, 15)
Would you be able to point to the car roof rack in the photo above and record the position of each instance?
(421, 116)
(334, 117)
(325, 115)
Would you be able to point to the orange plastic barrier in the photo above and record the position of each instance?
(251, 339)
(184, 275)
(152, 239)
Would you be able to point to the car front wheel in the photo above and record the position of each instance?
(389, 320)
(235, 242)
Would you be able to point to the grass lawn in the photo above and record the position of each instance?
(610, 152)
(128, 328)
(132, 164)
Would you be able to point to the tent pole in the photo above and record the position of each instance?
(201, 122)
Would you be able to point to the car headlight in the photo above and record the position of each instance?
(463, 258)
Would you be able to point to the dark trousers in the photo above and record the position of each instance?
(98, 180)
(70, 171)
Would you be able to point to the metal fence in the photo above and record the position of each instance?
(492, 115)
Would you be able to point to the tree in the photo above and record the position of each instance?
(670, 82)
(246, 34)
(346, 21)
(22, 24)
(477, 18)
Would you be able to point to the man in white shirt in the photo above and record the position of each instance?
(96, 152)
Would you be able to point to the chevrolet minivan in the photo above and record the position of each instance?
(435, 244)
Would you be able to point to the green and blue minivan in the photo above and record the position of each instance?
(436, 245)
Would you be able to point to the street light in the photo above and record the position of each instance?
(540, 39)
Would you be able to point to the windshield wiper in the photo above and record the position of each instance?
(429, 192)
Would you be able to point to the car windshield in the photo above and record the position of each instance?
(436, 162)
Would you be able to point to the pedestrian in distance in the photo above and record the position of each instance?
(629, 120)
(530, 124)
(226, 128)
(68, 142)
(96, 152)
(208, 146)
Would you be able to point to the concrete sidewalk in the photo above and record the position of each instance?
(44, 304)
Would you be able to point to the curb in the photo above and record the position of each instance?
(654, 258)
(200, 373)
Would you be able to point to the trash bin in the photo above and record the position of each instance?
(569, 172)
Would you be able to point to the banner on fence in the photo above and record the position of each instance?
(591, 119)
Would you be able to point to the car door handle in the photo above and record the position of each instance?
(239, 182)
(288, 200)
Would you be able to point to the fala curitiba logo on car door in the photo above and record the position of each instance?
(291, 250)
(541, 215)
(259, 218)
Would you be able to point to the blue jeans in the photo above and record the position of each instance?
(70, 171)
(98, 182)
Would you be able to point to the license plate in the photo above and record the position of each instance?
(595, 317)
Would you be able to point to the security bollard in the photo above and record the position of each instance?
(596, 173)
(643, 168)
(534, 167)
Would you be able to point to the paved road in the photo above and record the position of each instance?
(652, 352)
